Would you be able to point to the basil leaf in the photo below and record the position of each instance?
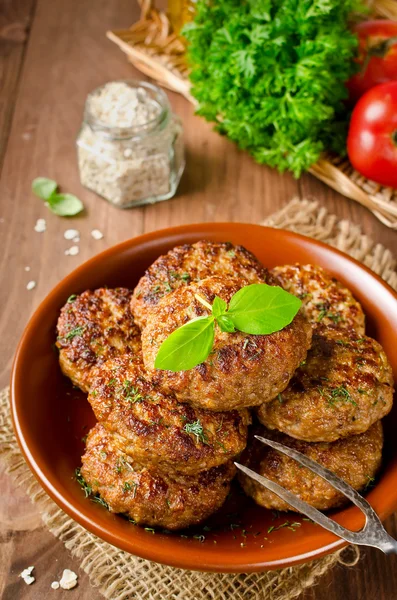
(219, 307)
(65, 205)
(225, 324)
(261, 309)
(187, 346)
(43, 187)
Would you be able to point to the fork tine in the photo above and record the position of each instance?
(326, 474)
(373, 534)
(301, 506)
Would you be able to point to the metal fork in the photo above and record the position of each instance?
(372, 534)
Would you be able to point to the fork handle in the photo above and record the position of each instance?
(389, 545)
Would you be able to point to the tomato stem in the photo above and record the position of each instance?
(382, 48)
(394, 137)
(379, 50)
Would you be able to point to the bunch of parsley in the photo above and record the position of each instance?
(271, 74)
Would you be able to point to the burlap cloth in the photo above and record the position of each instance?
(120, 576)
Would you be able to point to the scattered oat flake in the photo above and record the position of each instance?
(55, 585)
(68, 580)
(27, 575)
(96, 234)
(72, 251)
(40, 226)
(71, 234)
(27, 268)
(31, 285)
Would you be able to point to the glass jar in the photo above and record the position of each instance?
(130, 163)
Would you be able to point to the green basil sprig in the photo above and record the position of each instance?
(63, 205)
(257, 309)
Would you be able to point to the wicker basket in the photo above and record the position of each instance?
(153, 48)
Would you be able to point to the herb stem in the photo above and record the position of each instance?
(203, 302)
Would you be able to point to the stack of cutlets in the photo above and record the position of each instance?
(162, 451)
(332, 408)
(163, 448)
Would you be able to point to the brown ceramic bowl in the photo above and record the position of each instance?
(51, 418)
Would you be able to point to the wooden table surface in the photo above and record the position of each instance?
(52, 53)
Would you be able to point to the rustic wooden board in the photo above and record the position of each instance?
(46, 71)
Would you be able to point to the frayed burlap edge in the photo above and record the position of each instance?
(120, 576)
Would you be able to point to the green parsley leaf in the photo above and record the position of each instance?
(43, 187)
(65, 205)
(187, 346)
(271, 75)
(262, 309)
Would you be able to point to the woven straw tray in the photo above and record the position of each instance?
(153, 48)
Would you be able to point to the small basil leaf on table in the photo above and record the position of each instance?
(187, 346)
(225, 324)
(262, 309)
(43, 187)
(65, 205)
(219, 307)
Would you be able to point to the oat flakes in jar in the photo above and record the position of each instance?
(130, 146)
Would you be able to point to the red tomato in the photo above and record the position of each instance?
(377, 56)
(372, 138)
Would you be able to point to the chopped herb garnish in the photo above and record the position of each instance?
(196, 429)
(290, 525)
(71, 298)
(304, 295)
(341, 393)
(74, 332)
(130, 486)
(329, 315)
(100, 501)
(150, 530)
(221, 424)
(221, 445)
(131, 393)
(87, 489)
